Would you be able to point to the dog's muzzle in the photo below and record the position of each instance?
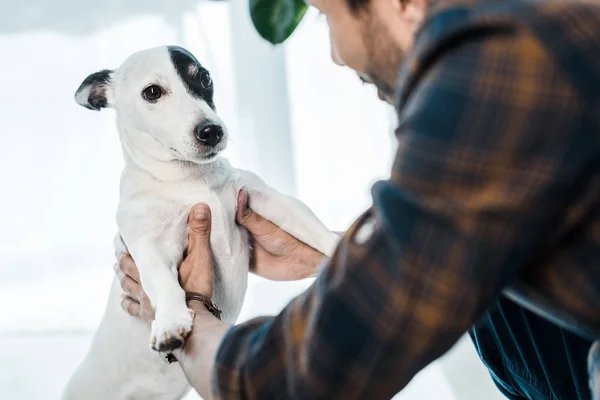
(209, 134)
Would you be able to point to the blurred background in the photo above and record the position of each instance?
(306, 126)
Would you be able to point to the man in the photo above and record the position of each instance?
(497, 177)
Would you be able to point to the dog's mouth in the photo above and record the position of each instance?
(202, 158)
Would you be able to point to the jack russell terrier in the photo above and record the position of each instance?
(171, 138)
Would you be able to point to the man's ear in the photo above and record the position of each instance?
(96, 91)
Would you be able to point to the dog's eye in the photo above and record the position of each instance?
(206, 80)
(152, 93)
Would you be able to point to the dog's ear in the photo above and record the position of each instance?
(96, 91)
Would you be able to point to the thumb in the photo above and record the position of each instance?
(199, 224)
(245, 216)
(255, 223)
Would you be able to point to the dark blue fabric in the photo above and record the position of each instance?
(529, 357)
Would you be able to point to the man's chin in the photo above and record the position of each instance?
(383, 96)
(384, 91)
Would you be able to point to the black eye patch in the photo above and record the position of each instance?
(191, 73)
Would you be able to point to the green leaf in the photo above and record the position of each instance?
(276, 20)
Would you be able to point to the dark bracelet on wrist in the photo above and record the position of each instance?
(210, 306)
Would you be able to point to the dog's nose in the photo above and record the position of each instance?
(209, 134)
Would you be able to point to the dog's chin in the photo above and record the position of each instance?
(202, 157)
(209, 157)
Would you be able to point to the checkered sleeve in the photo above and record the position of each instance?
(486, 159)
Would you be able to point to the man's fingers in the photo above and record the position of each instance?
(253, 222)
(199, 232)
(128, 267)
(196, 271)
(135, 302)
(131, 306)
(199, 224)
(199, 255)
(244, 214)
(130, 287)
(243, 210)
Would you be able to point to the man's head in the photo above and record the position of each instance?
(371, 36)
(164, 102)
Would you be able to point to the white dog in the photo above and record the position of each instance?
(171, 138)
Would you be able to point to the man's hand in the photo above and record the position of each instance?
(196, 273)
(135, 301)
(276, 254)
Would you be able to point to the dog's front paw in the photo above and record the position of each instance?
(170, 329)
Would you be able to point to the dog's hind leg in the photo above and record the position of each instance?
(120, 365)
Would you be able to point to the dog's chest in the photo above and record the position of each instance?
(226, 236)
(160, 211)
(229, 244)
(157, 213)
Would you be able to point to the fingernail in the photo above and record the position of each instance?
(200, 213)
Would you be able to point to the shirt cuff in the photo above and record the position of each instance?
(232, 359)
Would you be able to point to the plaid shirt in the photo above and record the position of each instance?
(497, 176)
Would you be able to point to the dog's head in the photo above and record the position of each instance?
(164, 102)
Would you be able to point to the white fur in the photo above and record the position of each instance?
(166, 173)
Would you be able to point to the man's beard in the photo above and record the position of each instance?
(384, 58)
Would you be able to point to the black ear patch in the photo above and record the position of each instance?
(190, 71)
(92, 93)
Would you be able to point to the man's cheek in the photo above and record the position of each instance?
(350, 52)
